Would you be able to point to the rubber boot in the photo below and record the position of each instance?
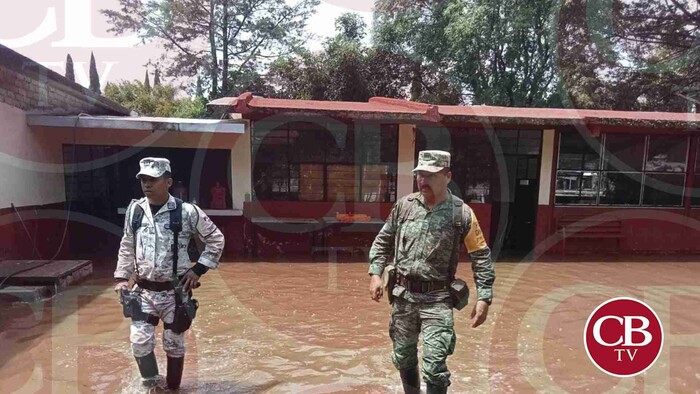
(410, 380)
(175, 367)
(433, 389)
(148, 367)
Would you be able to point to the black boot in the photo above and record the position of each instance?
(410, 380)
(175, 366)
(148, 367)
(433, 389)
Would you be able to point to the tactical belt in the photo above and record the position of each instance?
(155, 286)
(421, 286)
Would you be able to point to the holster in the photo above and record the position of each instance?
(389, 281)
(131, 307)
(459, 294)
(185, 312)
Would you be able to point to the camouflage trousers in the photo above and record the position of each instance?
(143, 335)
(435, 322)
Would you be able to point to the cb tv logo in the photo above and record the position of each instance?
(623, 337)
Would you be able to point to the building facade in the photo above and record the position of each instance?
(283, 177)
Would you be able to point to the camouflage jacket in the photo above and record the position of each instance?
(151, 256)
(422, 242)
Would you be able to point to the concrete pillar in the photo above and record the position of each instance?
(544, 204)
(241, 168)
(547, 163)
(407, 148)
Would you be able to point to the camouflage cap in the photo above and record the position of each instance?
(154, 167)
(432, 160)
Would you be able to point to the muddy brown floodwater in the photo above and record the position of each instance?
(311, 328)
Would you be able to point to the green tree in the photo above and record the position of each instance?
(156, 78)
(158, 101)
(347, 70)
(237, 34)
(495, 52)
(632, 55)
(147, 83)
(94, 77)
(70, 72)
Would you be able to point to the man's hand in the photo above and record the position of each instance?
(121, 286)
(479, 313)
(189, 281)
(375, 288)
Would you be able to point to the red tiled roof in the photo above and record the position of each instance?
(253, 102)
(247, 103)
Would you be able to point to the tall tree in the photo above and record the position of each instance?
(235, 34)
(147, 83)
(498, 51)
(351, 26)
(70, 72)
(633, 55)
(199, 91)
(347, 70)
(94, 76)
(156, 77)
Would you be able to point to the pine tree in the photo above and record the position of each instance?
(147, 83)
(94, 77)
(199, 92)
(70, 73)
(156, 78)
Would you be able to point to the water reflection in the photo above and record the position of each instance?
(311, 328)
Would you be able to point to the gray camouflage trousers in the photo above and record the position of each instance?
(143, 335)
(435, 322)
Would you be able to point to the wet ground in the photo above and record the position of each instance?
(308, 327)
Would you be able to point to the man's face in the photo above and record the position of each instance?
(433, 183)
(155, 188)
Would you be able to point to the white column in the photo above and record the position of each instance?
(407, 147)
(241, 168)
(546, 163)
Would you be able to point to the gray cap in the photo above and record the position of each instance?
(154, 167)
(433, 160)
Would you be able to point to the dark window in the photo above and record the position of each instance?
(620, 188)
(624, 153)
(475, 175)
(695, 193)
(636, 170)
(578, 172)
(330, 162)
(664, 171)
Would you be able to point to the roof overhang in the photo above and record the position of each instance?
(408, 112)
(140, 123)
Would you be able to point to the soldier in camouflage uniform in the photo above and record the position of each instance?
(422, 235)
(149, 254)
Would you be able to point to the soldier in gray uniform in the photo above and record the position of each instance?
(164, 275)
(423, 233)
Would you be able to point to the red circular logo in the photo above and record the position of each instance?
(623, 337)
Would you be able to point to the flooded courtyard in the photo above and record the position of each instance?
(310, 327)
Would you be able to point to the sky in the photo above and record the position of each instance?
(47, 30)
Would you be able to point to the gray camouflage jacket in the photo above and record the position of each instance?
(151, 256)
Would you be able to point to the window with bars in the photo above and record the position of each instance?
(621, 170)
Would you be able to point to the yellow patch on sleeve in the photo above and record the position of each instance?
(475, 238)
